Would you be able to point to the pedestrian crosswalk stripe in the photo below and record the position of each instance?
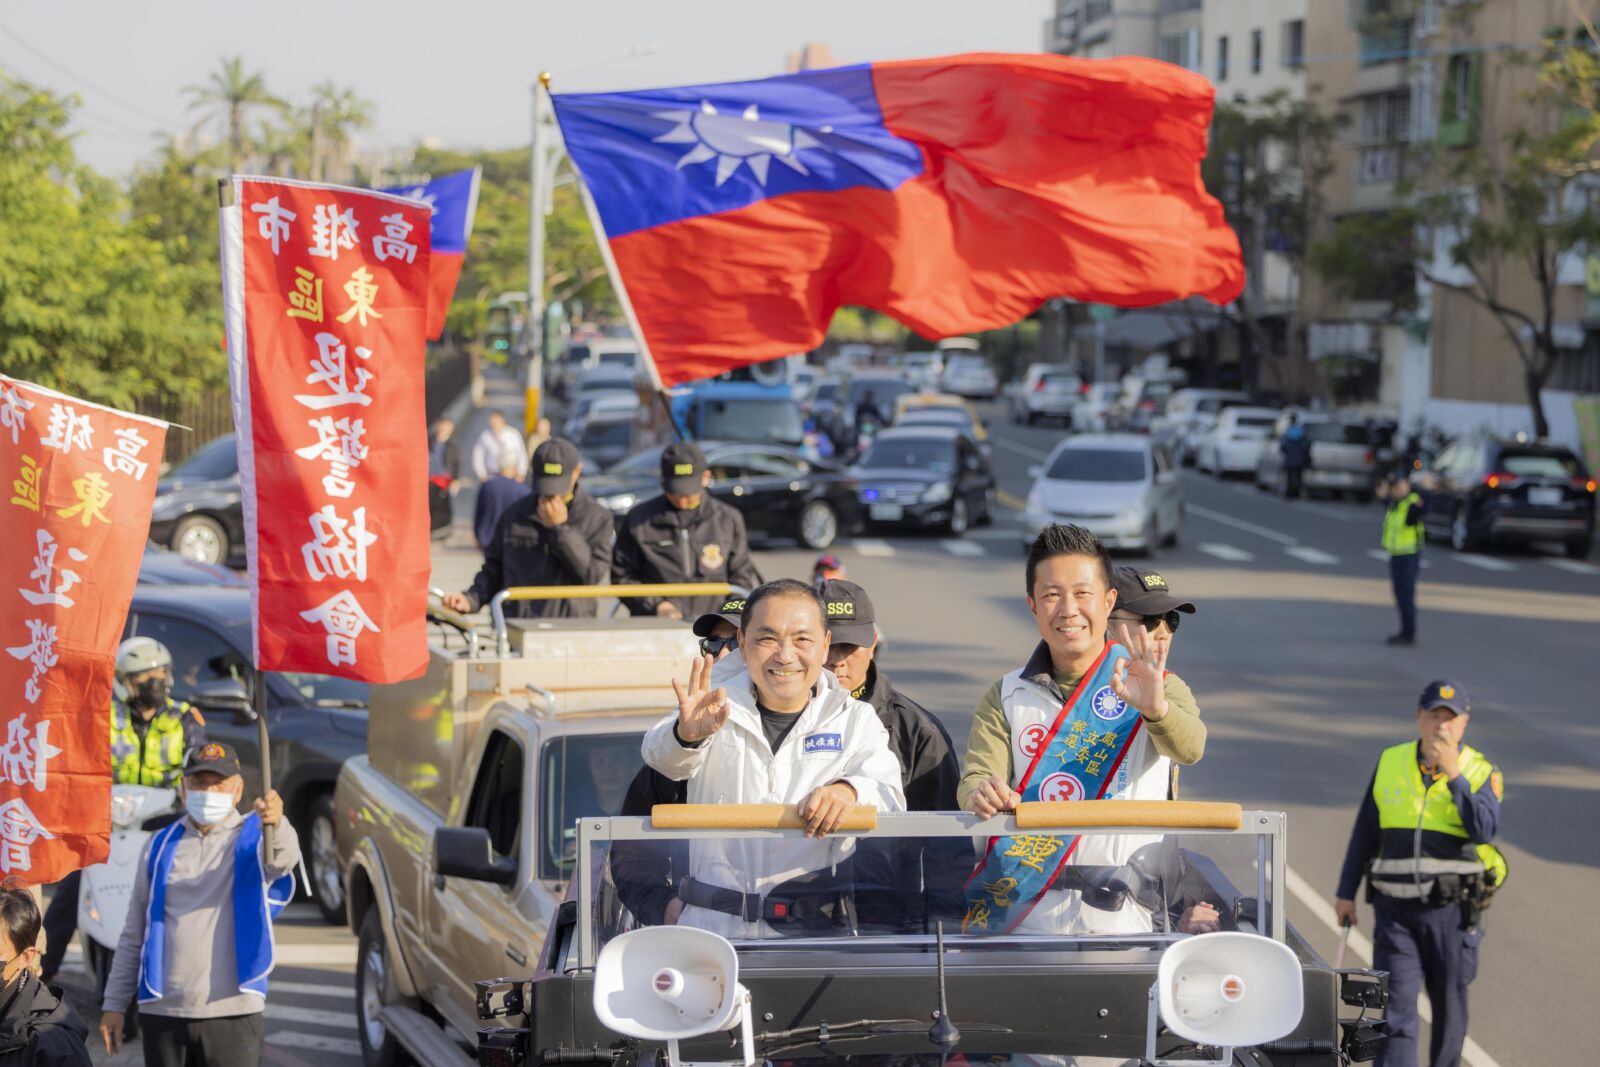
(341, 1046)
(1483, 563)
(869, 546)
(1227, 552)
(312, 989)
(338, 1020)
(1574, 566)
(957, 547)
(1307, 554)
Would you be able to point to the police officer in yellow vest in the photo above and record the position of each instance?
(1422, 838)
(150, 734)
(1402, 539)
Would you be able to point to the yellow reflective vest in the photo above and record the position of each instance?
(1401, 538)
(1420, 829)
(157, 758)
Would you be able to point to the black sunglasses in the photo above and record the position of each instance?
(1150, 622)
(713, 646)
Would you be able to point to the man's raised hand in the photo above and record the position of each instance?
(1141, 681)
(701, 709)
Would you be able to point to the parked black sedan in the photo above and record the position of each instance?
(1490, 491)
(315, 721)
(781, 493)
(926, 476)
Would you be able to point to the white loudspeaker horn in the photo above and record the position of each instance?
(1231, 990)
(666, 983)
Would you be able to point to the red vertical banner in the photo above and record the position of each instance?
(325, 291)
(79, 481)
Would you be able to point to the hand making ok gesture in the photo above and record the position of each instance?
(701, 709)
(1141, 681)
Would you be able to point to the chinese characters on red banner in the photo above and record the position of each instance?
(326, 294)
(79, 481)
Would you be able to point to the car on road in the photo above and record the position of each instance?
(1092, 412)
(780, 492)
(885, 387)
(1489, 491)
(315, 721)
(1046, 391)
(197, 511)
(740, 411)
(1344, 457)
(162, 566)
(617, 353)
(926, 477)
(594, 403)
(968, 374)
(605, 439)
(944, 408)
(1234, 442)
(1190, 414)
(922, 369)
(1122, 487)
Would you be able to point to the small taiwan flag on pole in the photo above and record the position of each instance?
(452, 201)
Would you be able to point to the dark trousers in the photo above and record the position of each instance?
(229, 1041)
(1425, 948)
(60, 923)
(1291, 481)
(1403, 571)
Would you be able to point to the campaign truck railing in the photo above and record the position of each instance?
(497, 606)
(1223, 850)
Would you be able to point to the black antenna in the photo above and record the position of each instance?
(943, 1032)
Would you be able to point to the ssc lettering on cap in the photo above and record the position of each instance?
(552, 468)
(683, 468)
(838, 608)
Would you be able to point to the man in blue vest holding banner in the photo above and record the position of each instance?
(1084, 719)
(197, 946)
(1422, 839)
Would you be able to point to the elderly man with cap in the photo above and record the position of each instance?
(684, 535)
(559, 535)
(197, 945)
(1422, 839)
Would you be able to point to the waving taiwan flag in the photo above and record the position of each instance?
(955, 194)
(454, 200)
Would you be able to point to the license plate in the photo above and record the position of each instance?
(886, 512)
(1543, 496)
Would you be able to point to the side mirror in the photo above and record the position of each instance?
(226, 696)
(465, 852)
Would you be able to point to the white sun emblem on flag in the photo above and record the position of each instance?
(735, 139)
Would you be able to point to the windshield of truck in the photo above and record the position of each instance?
(779, 887)
(580, 776)
(749, 419)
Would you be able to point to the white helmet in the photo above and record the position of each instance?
(138, 654)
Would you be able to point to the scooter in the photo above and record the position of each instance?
(137, 811)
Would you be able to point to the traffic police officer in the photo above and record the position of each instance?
(1422, 837)
(684, 535)
(150, 733)
(1402, 539)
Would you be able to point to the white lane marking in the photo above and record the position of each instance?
(313, 989)
(1361, 945)
(1227, 552)
(337, 1020)
(1574, 566)
(1022, 450)
(1483, 563)
(871, 546)
(1240, 524)
(1383, 557)
(1328, 513)
(314, 955)
(957, 547)
(340, 1046)
(1307, 554)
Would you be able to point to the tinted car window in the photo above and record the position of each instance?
(496, 802)
(1539, 464)
(1060, 381)
(577, 353)
(618, 359)
(749, 419)
(954, 417)
(218, 459)
(1098, 465)
(965, 363)
(606, 385)
(912, 453)
(1263, 422)
(884, 391)
(580, 776)
(606, 432)
(639, 463)
(199, 653)
(1338, 433)
(768, 465)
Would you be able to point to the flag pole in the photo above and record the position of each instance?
(537, 194)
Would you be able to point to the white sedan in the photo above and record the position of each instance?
(1233, 445)
(1121, 487)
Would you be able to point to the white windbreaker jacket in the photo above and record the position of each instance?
(838, 738)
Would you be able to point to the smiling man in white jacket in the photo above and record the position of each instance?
(780, 731)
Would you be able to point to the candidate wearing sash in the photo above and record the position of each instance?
(1084, 718)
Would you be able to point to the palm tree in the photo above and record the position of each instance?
(331, 120)
(226, 96)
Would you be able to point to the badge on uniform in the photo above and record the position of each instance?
(711, 557)
(1498, 784)
(822, 743)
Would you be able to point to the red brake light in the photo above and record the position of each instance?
(1038, 386)
(1501, 481)
(1585, 486)
(1084, 388)
(1370, 457)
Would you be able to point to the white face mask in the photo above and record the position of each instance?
(207, 807)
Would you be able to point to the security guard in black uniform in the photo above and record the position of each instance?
(684, 535)
(150, 735)
(1422, 838)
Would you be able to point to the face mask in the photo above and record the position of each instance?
(207, 807)
(152, 693)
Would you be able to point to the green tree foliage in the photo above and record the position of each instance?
(228, 97)
(89, 303)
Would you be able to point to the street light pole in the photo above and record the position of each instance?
(538, 175)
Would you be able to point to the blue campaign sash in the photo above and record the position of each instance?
(1077, 759)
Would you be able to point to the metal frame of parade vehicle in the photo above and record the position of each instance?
(937, 993)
